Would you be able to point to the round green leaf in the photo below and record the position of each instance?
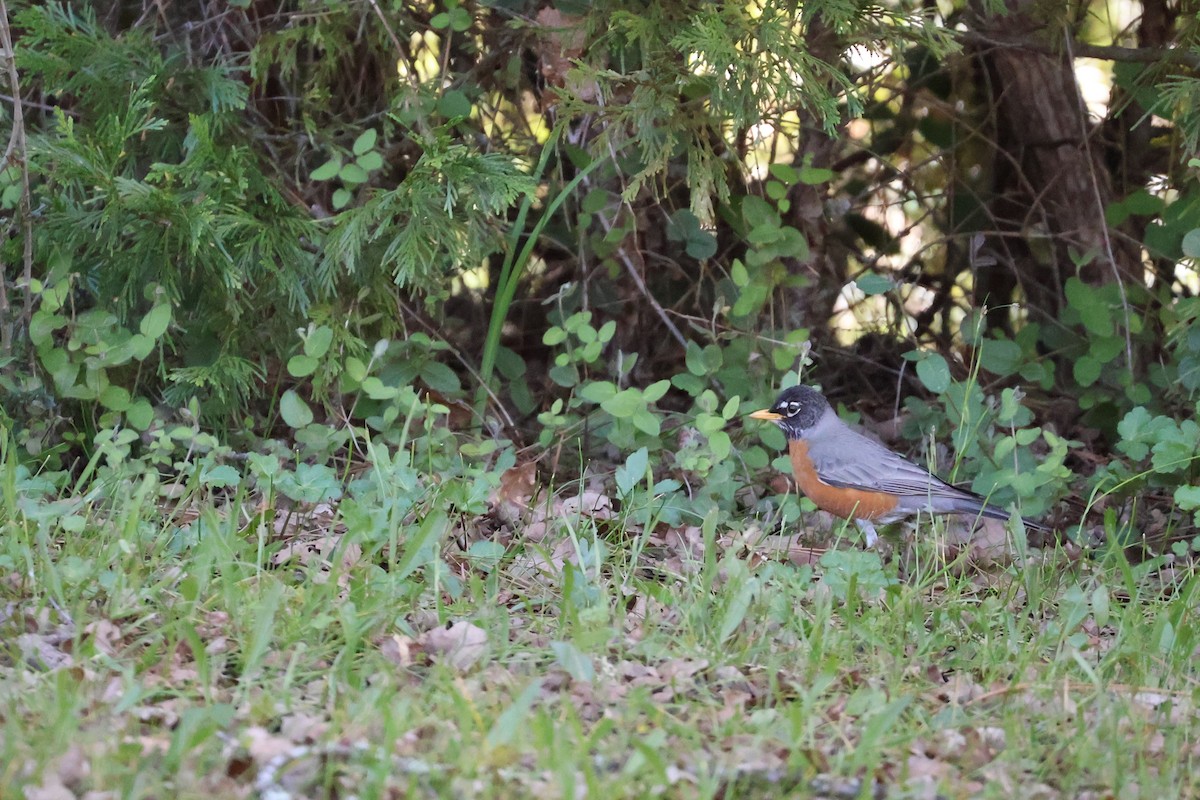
(701, 245)
(115, 398)
(370, 161)
(317, 343)
(440, 378)
(294, 410)
(140, 346)
(341, 199)
(624, 403)
(155, 323)
(655, 391)
(598, 391)
(1086, 370)
(460, 19)
(1191, 243)
(356, 369)
(140, 414)
(354, 174)
(934, 372)
(328, 170)
(872, 284)
(454, 103)
(301, 366)
(365, 141)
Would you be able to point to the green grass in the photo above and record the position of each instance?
(151, 649)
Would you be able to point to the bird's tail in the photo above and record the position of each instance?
(992, 512)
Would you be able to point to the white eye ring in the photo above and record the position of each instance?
(793, 409)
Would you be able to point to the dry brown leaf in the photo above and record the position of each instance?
(41, 652)
(512, 497)
(588, 503)
(397, 649)
(564, 39)
(460, 644)
(262, 745)
(51, 788)
(105, 636)
(303, 728)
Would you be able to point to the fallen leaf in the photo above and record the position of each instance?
(460, 644)
(397, 649)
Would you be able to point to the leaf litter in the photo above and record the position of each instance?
(721, 709)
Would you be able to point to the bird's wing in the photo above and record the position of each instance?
(852, 461)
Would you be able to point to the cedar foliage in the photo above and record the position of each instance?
(269, 166)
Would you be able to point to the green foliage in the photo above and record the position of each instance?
(1162, 452)
(439, 221)
(685, 70)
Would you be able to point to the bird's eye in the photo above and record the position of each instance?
(793, 409)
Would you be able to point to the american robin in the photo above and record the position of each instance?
(854, 477)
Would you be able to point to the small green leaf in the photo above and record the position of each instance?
(1086, 370)
(294, 410)
(220, 476)
(352, 173)
(140, 346)
(573, 661)
(440, 378)
(738, 273)
(365, 141)
(1000, 356)
(356, 370)
(440, 21)
(370, 161)
(624, 403)
(813, 176)
(934, 372)
(115, 398)
(454, 103)
(485, 554)
(1191, 243)
(301, 366)
(316, 344)
(460, 19)
(646, 422)
(872, 284)
(1188, 497)
(701, 245)
(785, 173)
(341, 199)
(597, 199)
(140, 414)
(43, 325)
(328, 170)
(654, 392)
(598, 391)
(376, 389)
(155, 323)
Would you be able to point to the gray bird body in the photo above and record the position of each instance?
(843, 458)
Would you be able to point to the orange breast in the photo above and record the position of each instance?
(844, 503)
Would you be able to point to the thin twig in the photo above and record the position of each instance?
(454, 351)
(1108, 248)
(1077, 49)
(634, 273)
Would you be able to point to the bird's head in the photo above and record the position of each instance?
(796, 411)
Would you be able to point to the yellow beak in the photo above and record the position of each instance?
(766, 414)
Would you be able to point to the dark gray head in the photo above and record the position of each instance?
(795, 411)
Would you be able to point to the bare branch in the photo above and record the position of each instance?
(1077, 49)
